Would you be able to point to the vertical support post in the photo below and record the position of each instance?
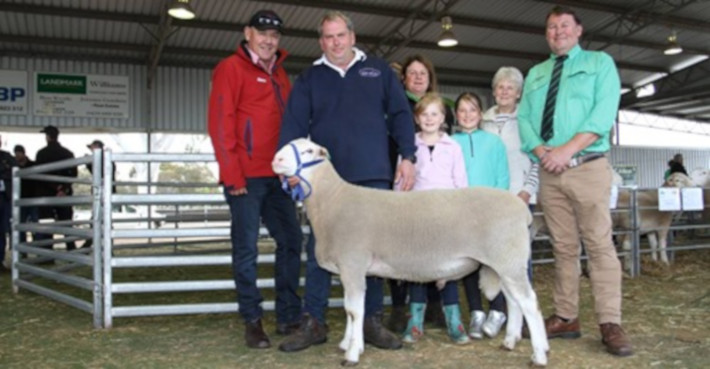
(150, 181)
(636, 244)
(15, 237)
(106, 244)
(97, 220)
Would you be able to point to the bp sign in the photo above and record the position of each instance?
(13, 92)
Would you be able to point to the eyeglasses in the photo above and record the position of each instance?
(272, 21)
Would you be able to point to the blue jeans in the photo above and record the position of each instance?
(265, 200)
(318, 280)
(473, 294)
(5, 211)
(449, 295)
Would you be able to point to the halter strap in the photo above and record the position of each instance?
(298, 193)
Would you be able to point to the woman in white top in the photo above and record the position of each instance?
(501, 119)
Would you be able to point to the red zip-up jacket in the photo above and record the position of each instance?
(244, 116)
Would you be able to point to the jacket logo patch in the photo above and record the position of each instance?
(369, 72)
(261, 80)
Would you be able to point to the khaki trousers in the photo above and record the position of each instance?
(576, 207)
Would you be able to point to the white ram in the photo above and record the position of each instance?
(418, 236)
(651, 221)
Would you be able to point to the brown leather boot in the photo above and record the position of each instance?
(254, 335)
(556, 327)
(310, 332)
(377, 335)
(285, 329)
(615, 339)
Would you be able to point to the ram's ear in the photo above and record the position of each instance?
(323, 153)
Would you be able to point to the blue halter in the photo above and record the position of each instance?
(298, 193)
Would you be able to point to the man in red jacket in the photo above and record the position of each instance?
(249, 92)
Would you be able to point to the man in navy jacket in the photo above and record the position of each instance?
(351, 104)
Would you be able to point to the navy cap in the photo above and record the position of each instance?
(266, 19)
(51, 131)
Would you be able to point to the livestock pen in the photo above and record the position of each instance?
(148, 274)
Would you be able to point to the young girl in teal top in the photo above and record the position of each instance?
(486, 165)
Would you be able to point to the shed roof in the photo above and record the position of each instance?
(490, 33)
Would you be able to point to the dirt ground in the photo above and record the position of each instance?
(666, 312)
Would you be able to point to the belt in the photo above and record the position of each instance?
(579, 160)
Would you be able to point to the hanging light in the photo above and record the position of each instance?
(181, 9)
(447, 38)
(673, 48)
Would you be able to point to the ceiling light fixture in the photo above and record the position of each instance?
(181, 9)
(673, 48)
(447, 38)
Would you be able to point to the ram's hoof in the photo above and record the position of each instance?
(505, 348)
(538, 362)
(348, 363)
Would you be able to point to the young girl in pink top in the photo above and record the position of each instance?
(439, 165)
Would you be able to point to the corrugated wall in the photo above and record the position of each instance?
(652, 162)
(136, 76)
(179, 100)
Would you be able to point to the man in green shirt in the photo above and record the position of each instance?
(566, 114)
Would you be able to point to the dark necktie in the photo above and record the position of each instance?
(549, 113)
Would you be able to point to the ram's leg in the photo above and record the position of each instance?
(353, 342)
(653, 243)
(520, 292)
(662, 245)
(513, 328)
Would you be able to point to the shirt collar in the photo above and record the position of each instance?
(359, 55)
(412, 96)
(255, 59)
(571, 54)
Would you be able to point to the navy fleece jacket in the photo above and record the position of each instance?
(352, 117)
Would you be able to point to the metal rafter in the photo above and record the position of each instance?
(232, 27)
(397, 40)
(394, 33)
(670, 101)
(216, 54)
(673, 84)
(476, 22)
(629, 23)
(679, 22)
(164, 30)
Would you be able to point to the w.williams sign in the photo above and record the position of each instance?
(91, 96)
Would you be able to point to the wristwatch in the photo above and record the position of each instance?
(412, 158)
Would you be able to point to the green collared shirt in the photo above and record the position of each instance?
(587, 101)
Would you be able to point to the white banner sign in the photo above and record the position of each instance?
(669, 199)
(91, 96)
(13, 92)
(692, 198)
